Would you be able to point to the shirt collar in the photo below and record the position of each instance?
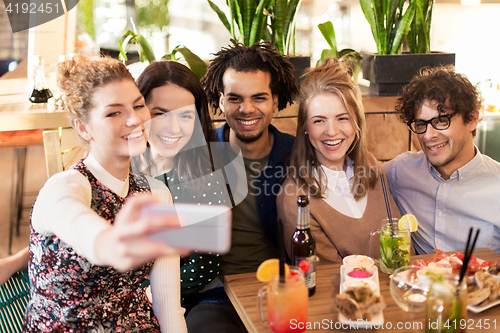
(114, 184)
(472, 166)
(333, 175)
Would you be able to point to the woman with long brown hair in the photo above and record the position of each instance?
(331, 164)
(178, 155)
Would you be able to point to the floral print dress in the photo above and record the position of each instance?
(69, 294)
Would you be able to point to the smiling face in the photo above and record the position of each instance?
(248, 104)
(115, 130)
(450, 149)
(173, 114)
(330, 129)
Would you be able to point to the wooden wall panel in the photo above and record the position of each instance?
(387, 136)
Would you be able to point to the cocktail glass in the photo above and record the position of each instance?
(446, 305)
(286, 303)
(409, 286)
(395, 244)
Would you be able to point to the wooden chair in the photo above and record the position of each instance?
(62, 149)
(19, 141)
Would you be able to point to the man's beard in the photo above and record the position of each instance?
(248, 139)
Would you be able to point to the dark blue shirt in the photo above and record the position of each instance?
(272, 175)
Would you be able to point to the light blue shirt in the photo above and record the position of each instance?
(446, 209)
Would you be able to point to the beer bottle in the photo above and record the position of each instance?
(304, 243)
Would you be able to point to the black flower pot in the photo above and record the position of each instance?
(300, 64)
(388, 73)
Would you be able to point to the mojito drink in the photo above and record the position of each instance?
(395, 243)
(446, 307)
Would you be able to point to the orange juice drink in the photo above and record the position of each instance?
(286, 303)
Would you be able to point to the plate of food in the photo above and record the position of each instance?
(359, 302)
(483, 291)
(453, 263)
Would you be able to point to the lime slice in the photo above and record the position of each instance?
(408, 220)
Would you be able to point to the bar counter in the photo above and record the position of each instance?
(18, 113)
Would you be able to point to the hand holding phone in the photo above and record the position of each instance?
(205, 228)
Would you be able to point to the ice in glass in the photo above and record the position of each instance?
(446, 306)
(395, 244)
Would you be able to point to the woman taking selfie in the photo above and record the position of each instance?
(331, 164)
(89, 246)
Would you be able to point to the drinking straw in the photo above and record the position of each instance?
(464, 268)
(386, 199)
(467, 254)
(281, 244)
(387, 205)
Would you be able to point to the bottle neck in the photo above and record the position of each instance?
(39, 81)
(303, 221)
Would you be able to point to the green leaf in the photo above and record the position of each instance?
(369, 12)
(197, 65)
(350, 53)
(292, 7)
(391, 22)
(279, 13)
(123, 46)
(328, 32)
(247, 15)
(169, 56)
(381, 29)
(326, 53)
(258, 23)
(147, 50)
(238, 17)
(221, 15)
(403, 28)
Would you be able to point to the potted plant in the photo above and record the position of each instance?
(281, 33)
(252, 21)
(248, 19)
(349, 55)
(392, 22)
(146, 53)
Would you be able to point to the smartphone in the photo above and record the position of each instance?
(205, 228)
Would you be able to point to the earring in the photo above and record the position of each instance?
(305, 132)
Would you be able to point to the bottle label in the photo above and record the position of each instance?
(310, 275)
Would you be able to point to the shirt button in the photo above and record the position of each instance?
(440, 213)
(444, 185)
(438, 241)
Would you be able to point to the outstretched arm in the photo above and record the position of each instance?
(63, 209)
(125, 244)
(13, 264)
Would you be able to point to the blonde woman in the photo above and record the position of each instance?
(331, 164)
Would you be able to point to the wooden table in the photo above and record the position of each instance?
(242, 290)
(18, 113)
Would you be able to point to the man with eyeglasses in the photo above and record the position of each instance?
(448, 185)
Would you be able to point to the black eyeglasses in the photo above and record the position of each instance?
(440, 123)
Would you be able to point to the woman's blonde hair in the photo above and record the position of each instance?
(331, 78)
(79, 77)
